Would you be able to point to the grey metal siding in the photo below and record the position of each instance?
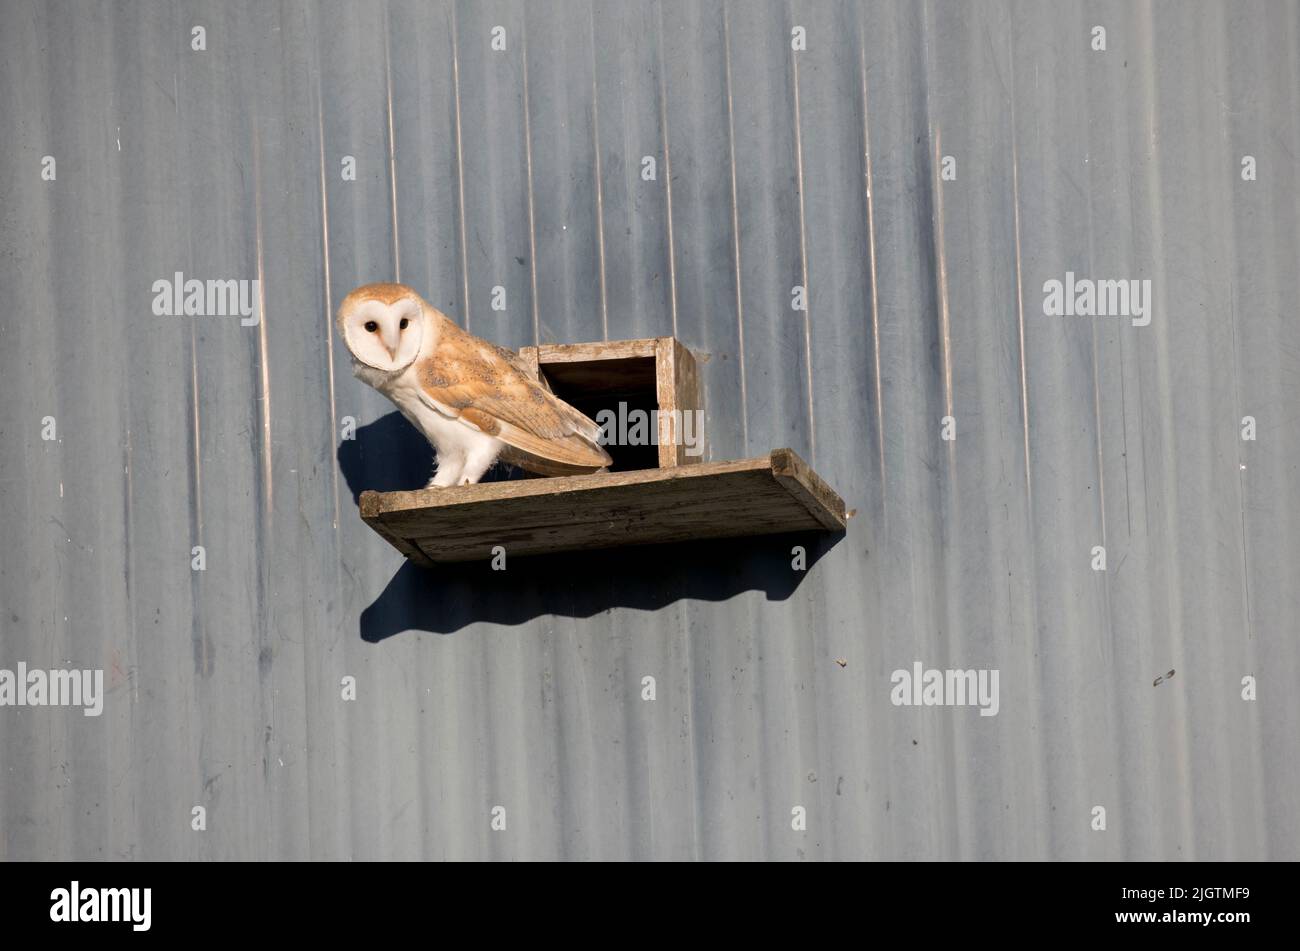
(775, 168)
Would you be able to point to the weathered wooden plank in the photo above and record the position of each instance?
(822, 502)
(618, 377)
(381, 503)
(407, 548)
(775, 493)
(595, 351)
(676, 391)
(690, 398)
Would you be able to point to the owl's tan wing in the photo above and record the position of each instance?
(488, 389)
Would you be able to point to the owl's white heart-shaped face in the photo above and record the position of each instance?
(383, 331)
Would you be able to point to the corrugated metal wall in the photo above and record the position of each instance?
(522, 169)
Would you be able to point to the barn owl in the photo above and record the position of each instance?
(473, 400)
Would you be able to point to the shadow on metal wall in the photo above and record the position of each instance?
(390, 455)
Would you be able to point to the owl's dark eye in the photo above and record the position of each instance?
(371, 326)
(404, 323)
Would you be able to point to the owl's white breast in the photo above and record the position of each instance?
(449, 436)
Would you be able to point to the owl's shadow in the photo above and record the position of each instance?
(389, 455)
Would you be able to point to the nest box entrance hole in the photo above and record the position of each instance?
(638, 389)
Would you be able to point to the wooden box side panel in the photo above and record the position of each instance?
(677, 390)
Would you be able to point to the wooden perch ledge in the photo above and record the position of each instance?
(774, 493)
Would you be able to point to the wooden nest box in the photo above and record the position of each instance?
(659, 489)
(633, 379)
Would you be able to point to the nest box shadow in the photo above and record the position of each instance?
(390, 455)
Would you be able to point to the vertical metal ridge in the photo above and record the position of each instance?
(460, 168)
(195, 435)
(1030, 654)
(1020, 283)
(392, 150)
(600, 180)
(803, 267)
(196, 489)
(735, 233)
(1146, 70)
(532, 217)
(329, 299)
(941, 277)
(1097, 422)
(871, 255)
(263, 349)
(668, 173)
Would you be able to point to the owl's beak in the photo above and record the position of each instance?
(391, 338)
